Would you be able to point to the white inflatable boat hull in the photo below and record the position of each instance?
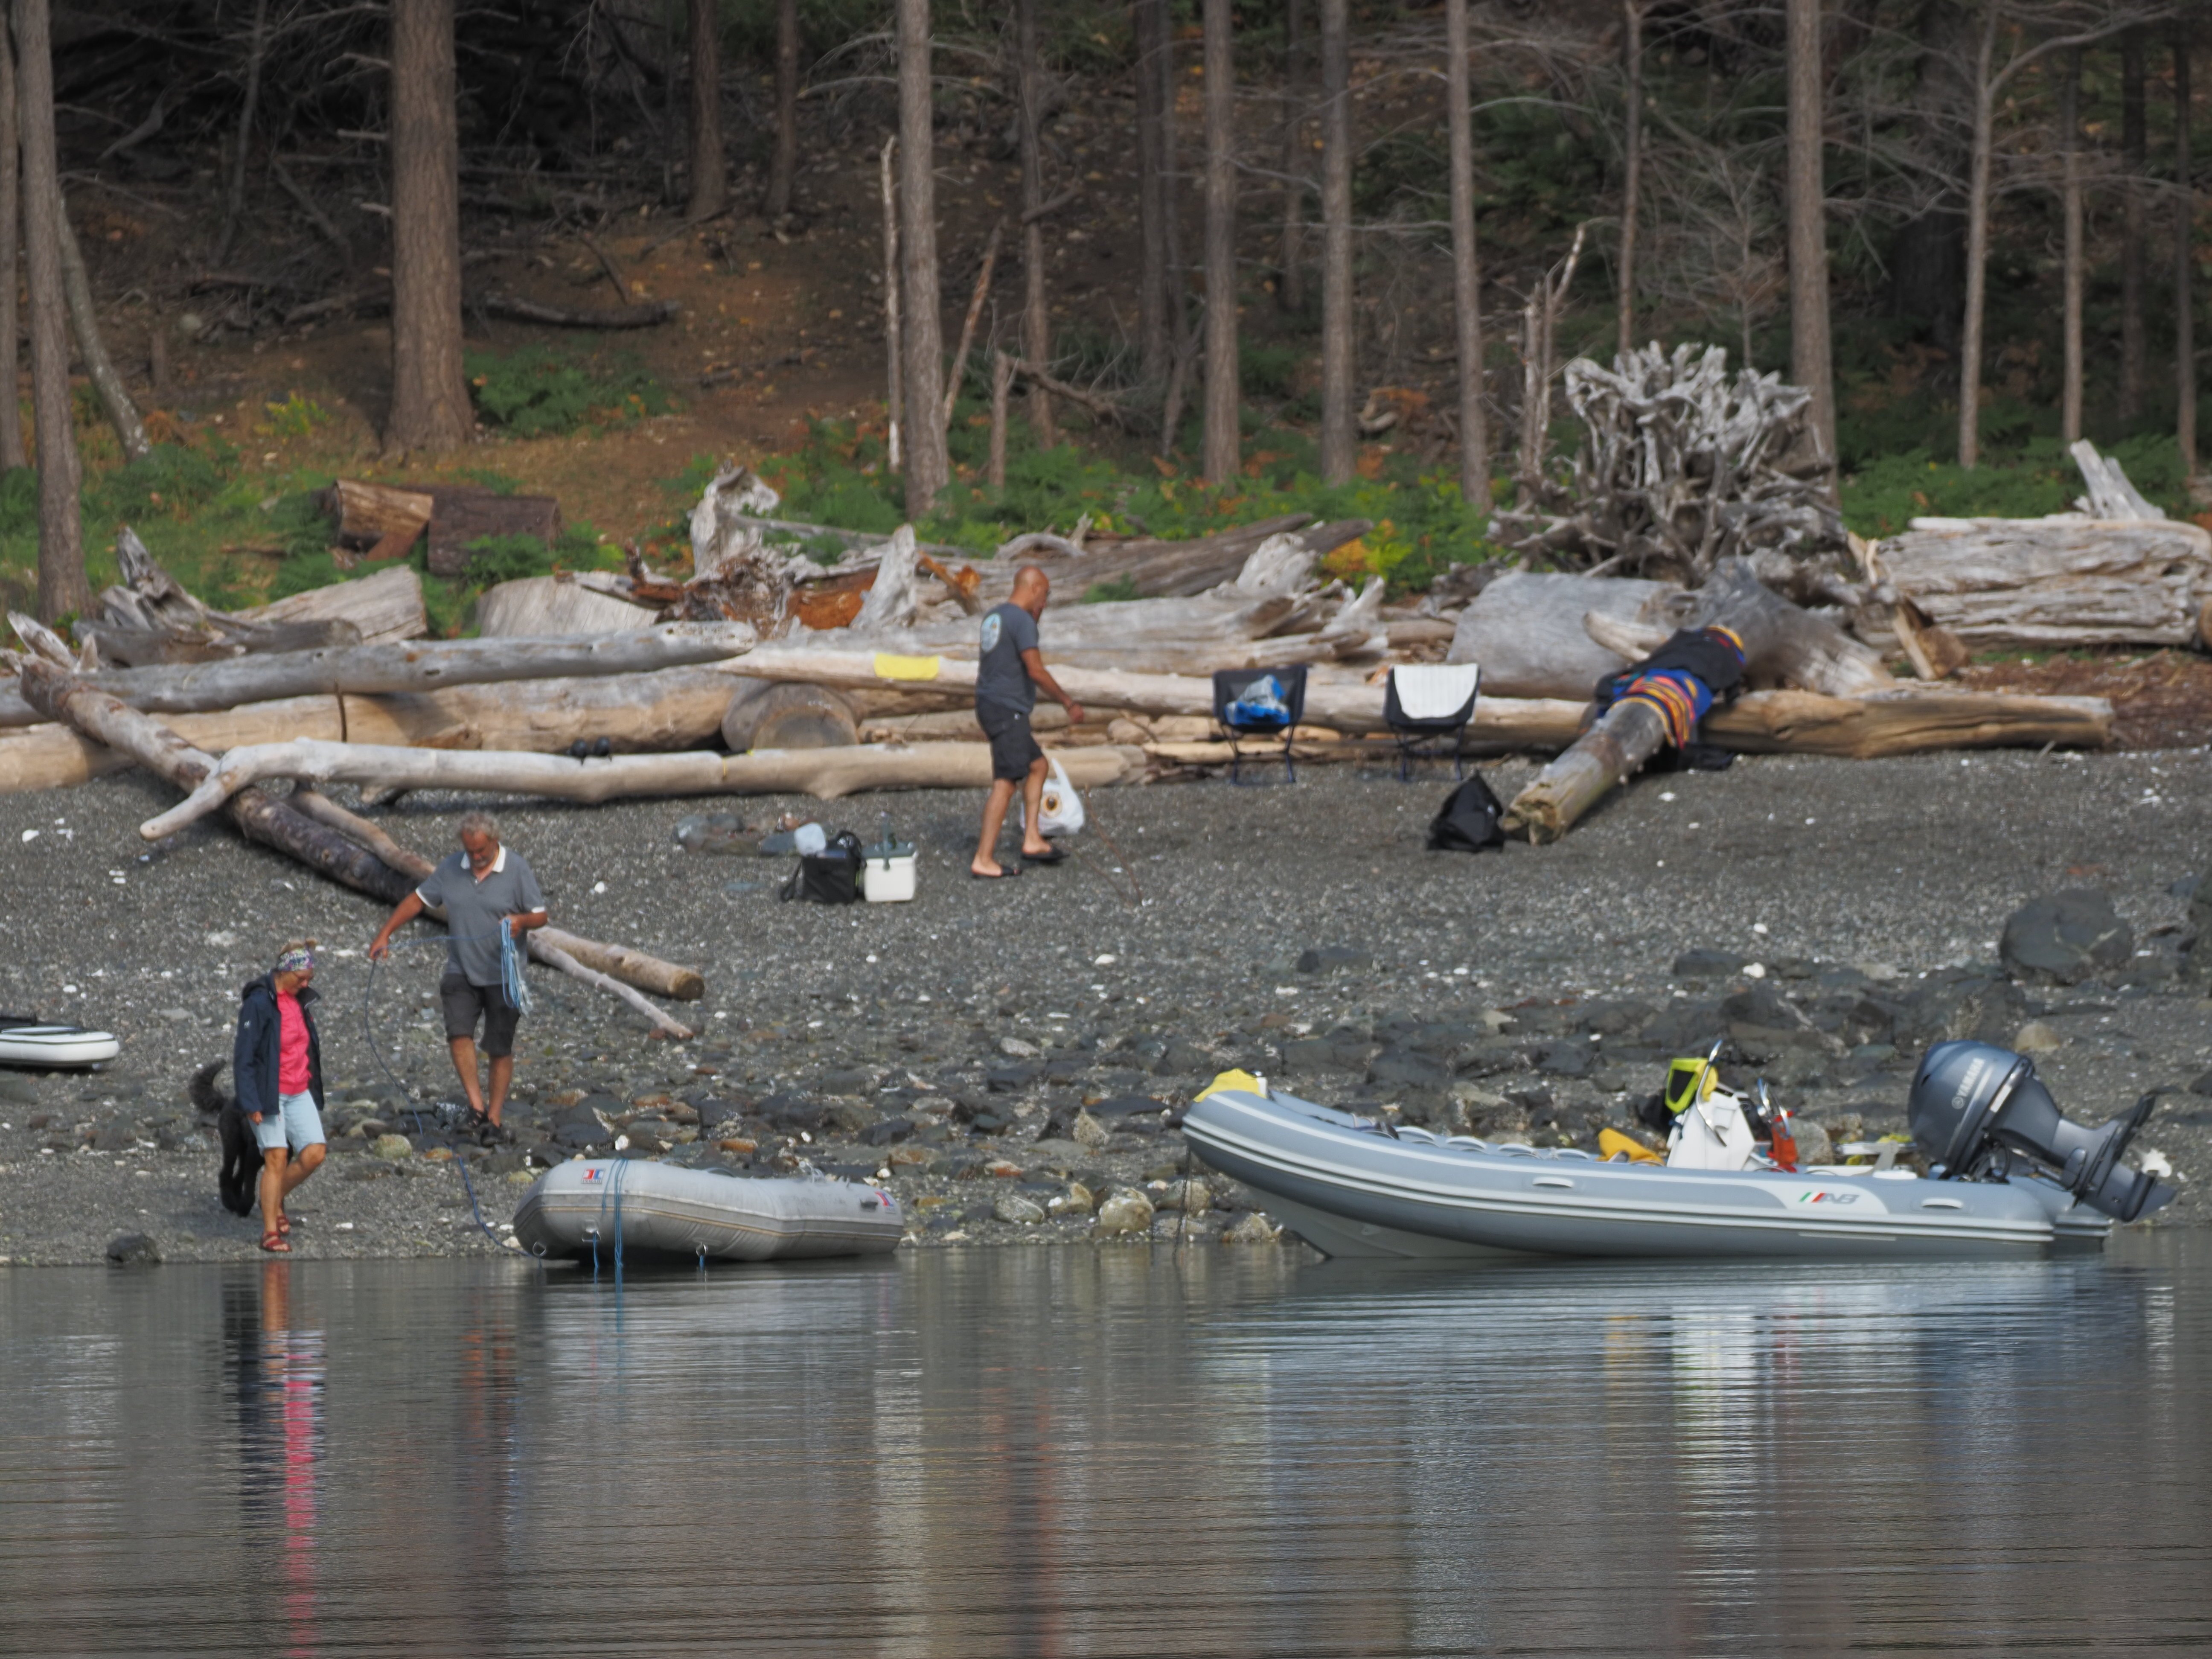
(664, 1209)
(35, 1043)
(1348, 1190)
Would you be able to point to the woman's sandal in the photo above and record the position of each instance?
(273, 1242)
(284, 1225)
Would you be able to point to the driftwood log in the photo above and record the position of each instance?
(825, 773)
(259, 816)
(421, 666)
(1782, 644)
(151, 618)
(764, 715)
(1528, 632)
(2065, 580)
(385, 606)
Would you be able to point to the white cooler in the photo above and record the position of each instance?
(887, 873)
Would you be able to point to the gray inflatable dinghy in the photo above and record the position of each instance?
(662, 1209)
(1351, 1185)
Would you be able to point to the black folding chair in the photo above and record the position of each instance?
(1427, 703)
(1233, 686)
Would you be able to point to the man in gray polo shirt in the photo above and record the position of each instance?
(483, 889)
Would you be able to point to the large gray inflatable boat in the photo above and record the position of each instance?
(1349, 1187)
(640, 1207)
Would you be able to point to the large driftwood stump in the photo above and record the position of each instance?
(763, 715)
(1612, 751)
(1781, 644)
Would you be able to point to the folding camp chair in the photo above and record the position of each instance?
(1427, 703)
(1259, 702)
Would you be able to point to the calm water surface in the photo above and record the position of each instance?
(1058, 1451)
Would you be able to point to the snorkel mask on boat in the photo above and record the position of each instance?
(1973, 1103)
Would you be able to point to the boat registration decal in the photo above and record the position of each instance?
(1824, 1195)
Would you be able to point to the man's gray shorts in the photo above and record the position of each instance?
(465, 1004)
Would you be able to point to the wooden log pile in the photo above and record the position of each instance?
(2116, 571)
(1681, 466)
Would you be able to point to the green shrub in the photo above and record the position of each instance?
(507, 558)
(169, 482)
(18, 502)
(542, 391)
(1885, 494)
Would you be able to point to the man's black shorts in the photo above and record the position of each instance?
(465, 1004)
(1013, 748)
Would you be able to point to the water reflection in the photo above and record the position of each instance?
(275, 1375)
(1056, 1452)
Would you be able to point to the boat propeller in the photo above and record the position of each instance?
(1975, 1105)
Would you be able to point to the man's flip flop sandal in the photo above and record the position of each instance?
(1058, 855)
(1006, 873)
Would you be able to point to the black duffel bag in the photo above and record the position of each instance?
(831, 876)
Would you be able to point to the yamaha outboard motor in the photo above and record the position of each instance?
(1973, 1103)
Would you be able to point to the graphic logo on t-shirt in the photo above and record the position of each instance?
(992, 624)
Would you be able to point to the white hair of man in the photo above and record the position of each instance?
(479, 824)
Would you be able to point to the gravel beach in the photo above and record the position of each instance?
(995, 1046)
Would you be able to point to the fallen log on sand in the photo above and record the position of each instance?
(825, 773)
(425, 666)
(1781, 644)
(260, 817)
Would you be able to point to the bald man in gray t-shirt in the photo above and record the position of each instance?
(1008, 676)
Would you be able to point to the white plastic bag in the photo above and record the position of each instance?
(1059, 812)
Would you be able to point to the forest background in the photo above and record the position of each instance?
(591, 249)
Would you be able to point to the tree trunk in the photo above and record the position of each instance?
(1466, 268)
(1036, 318)
(1812, 364)
(1002, 387)
(2185, 239)
(92, 346)
(894, 336)
(1224, 445)
(2069, 138)
(1632, 145)
(1155, 340)
(1291, 282)
(1338, 435)
(710, 187)
(1978, 244)
(783, 160)
(62, 590)
(12, 453)
(234, 199)
(928, 468)
(429, 410)
(2134, 158)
